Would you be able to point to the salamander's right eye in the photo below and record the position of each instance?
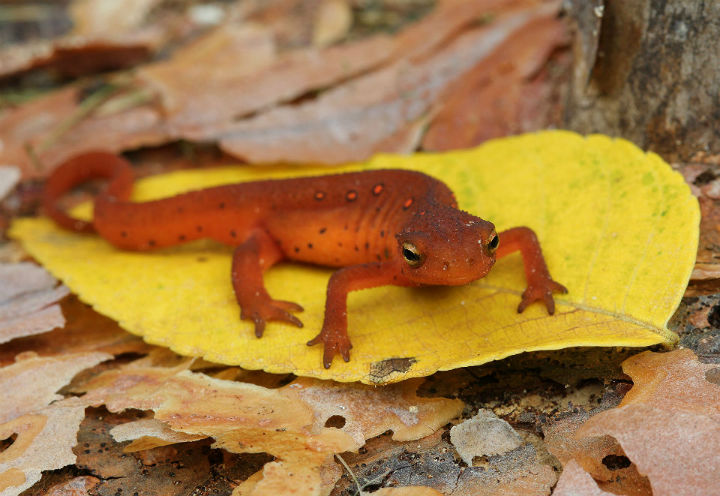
(411, 255)
(493, 243)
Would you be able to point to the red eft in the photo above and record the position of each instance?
(381, 227)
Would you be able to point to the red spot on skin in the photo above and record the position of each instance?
(377, 189)
(407, 203)
(320, 195)
(351, 195)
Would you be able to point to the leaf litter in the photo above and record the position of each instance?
(28, 296)
(144, 124)
(223, 100)
(283, 422)
(44, 424)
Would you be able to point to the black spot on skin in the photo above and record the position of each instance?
(394, 278)
(222, 205)
(322, 230)
(357, 248)
(297, 249)
(233, 233)
(182, 237)
(123, 234)
(377, 209)
(199, 228)
(382, 233)
(367, 245)
(310, 245)
(379, 258)
(340, 243)
(346, 227)
(387, 253)
(151, 242)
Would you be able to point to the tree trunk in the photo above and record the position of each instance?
(648, 71)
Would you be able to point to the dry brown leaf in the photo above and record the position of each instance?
(288, 423)
(574, 481)
(147, 434)
(210, 67)
(27, 294)
(668, 424)
(106, 35)
(31, 382)
(44, 442)
(355, 120)
(488, 100)
(27, 123)
(561, 440)
(368, 412)
(85, 331)
(27, 130)
(44, 434)
(290, 76)
(207, 114)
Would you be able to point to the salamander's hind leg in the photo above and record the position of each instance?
(250, 260)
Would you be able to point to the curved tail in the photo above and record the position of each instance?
(77, 170)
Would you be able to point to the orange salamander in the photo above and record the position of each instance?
(381, 227)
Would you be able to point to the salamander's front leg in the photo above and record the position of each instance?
(257, 254)
(540, 285)
(334, 331)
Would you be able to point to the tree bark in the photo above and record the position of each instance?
(648, 71)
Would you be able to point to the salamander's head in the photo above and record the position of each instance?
(449, 247)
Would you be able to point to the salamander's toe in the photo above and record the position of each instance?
(335, 343)
(268, 310)
(541, 290)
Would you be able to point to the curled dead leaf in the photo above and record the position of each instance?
(27, 297)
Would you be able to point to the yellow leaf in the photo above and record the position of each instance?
(618, 227)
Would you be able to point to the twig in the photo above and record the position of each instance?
(84, 109)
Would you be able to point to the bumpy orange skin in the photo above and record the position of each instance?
(385, 227)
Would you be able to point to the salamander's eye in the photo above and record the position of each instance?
(411, 254)
(493, 243)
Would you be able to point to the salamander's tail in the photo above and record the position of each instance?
(81, 168)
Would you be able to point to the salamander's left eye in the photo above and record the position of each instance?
(493, 243)
(411, 255)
